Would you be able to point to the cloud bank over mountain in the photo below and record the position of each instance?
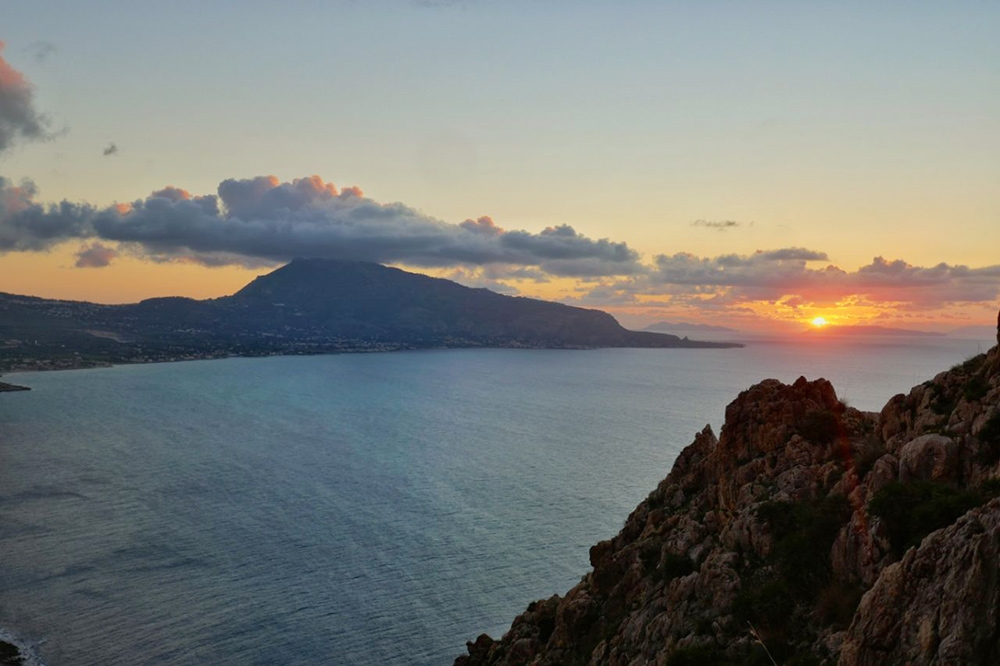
(265, 220)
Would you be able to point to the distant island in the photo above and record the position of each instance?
(686, 327)
(309, 306)
(870, 330)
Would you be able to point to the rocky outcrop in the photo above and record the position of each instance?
(12, 387)
(939, 605)
(760, 543)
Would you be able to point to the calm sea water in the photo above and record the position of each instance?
(356, 509)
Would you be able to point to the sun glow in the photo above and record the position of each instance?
(819, 322)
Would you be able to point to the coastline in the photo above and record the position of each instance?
(17, 652)
(10, 654)
(51, 365)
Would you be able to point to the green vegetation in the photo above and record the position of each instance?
(675, 566)
(837, 603)
(975, 388)
(803, 534)
(668, 565)
(911, 511)
(820, 426)
(867, 455)
(778, 599)
(970, 365)
(698, 655)
(767, 604)
(943, 404)
(989, 440)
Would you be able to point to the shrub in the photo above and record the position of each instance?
(819, 426)
(803, 534)
(911, 511)
(867, 456)
(989, 441)
(942, 404)
(971, 365)
(767, 605)
(837, 603)
(669, 565)
(698, 655)
(675, 566)
(649, 553)
(976, 388)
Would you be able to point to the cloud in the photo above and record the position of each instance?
(483, 225)
(40, 50)
(19, 120)
(95, 256)
(259, 220)
(112, 149)
(720, 225)
(785, 275)
(263, 221)
(773, 268)
(27, 226)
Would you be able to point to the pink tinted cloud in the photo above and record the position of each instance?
(19, 119)
(95, 255)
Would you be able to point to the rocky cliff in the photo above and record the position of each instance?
(808, 532)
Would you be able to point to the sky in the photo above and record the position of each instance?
(750, 164)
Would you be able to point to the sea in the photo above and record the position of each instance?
(359, 508)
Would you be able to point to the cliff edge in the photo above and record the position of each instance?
(807, 532)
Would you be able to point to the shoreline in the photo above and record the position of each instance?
(10, 654)
(14, 651)
(46, 365)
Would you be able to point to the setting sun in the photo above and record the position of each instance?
(819, 322)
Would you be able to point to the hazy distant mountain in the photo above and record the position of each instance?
(685, 327)
(307, 306)
(869, 330)
(974, 332)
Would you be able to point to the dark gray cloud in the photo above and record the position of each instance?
(95, 256)
(19, 119)
(785, 275)
(719, 225)
(261, 219)
(41, 50)
(761, 269)
(112, 149)
(26, 226)
(793, 254)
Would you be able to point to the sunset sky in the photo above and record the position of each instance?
(754, 165)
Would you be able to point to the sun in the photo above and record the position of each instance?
(819, 322)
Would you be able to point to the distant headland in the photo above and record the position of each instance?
(309, 306)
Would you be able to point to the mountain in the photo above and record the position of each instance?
(808, 532)
(972, 332)
(832, 330)
(684, 327)
(307, 306)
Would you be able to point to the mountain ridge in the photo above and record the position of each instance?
(687, 327)
(308, 306)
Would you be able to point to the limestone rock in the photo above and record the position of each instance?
(939, 605)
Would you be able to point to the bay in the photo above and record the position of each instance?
(354, 509)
